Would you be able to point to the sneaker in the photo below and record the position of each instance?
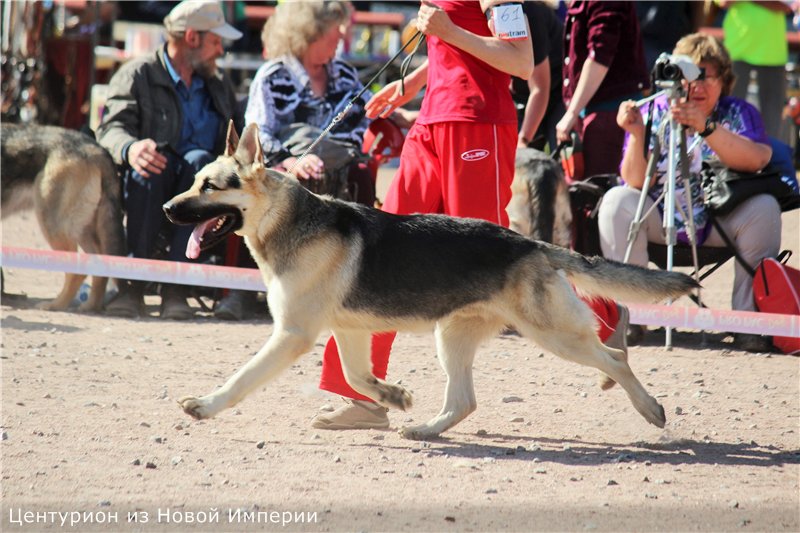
(355, 414)
(174, 305)
(237, 305)
(128, 303)
(752, 343)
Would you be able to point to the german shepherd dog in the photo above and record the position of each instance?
(355, 270)
(71, 183)
(540, 205)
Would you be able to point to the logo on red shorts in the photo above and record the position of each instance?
(475, 155)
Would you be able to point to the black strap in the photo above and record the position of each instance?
(647, 127)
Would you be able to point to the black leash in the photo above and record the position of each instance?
(404, 67)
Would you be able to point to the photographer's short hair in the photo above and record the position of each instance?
(704, 48)
(295, 25)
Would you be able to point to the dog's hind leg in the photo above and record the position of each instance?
(280, 351)
(90, 244)
(354, 353)
(574, 339)
(72, 282)
(457, 339)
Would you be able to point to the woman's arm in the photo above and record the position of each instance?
(539, 85)
(634, 165)
(734, 150)
(385, 101)
(512, 57)
(592, 75)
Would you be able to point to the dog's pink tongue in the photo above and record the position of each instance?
(193, 246)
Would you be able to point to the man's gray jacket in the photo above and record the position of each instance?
(142, 103)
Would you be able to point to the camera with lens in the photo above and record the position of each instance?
(669, 70)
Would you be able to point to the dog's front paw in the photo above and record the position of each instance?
(197, 408)
(422, 432)
(394, 396)
(53, 305)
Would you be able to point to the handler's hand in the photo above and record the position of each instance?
(145, 158)
(432, 20)
(384, 102)
(310, 168)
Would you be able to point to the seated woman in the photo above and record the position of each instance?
(301, 88)
(295, 94)
(731, 131)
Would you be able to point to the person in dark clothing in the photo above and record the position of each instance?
(603, 66)
(166, 117)
(662, 24)
(540, 96)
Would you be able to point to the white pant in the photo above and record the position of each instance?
(754, 226)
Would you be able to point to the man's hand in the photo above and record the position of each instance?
(145, 158)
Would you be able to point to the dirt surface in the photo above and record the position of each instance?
(92, 435)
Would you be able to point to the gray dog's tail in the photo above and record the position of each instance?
(610, 279)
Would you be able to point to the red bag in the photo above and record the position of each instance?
(571, 157)
(776, 289)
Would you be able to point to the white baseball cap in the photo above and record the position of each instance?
(200, 16)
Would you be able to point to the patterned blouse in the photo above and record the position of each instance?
(281, 95)
(733, 114)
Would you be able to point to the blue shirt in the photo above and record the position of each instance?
(200, 119)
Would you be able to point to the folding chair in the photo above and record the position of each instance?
(709, 260)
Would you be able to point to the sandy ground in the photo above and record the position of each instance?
(92, 435)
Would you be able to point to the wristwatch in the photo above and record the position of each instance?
(711, 127)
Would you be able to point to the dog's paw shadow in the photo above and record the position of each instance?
(14, 322)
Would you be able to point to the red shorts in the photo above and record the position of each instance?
(460, 169)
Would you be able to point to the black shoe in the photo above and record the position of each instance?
(752, 343)
(174, 305)
(128, 302)
(237, 305)
(635, 334)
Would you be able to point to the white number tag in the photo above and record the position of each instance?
(509, 22)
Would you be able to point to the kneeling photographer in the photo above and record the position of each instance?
(719, 129)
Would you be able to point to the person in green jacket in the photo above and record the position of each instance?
(755, 36)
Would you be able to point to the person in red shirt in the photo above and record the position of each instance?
(457, 159)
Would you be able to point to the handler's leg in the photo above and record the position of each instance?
(415, 189)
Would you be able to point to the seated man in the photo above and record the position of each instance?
(167, 116)
(732, 132)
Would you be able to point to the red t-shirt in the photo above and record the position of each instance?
(461, 87)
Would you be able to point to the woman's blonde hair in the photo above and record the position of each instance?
(703, 48)
(295, 25)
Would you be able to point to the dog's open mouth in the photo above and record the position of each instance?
(211, 232)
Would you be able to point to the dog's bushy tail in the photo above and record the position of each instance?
(596, 276)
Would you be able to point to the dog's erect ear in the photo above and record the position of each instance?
(249, 150)
(232, 142)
